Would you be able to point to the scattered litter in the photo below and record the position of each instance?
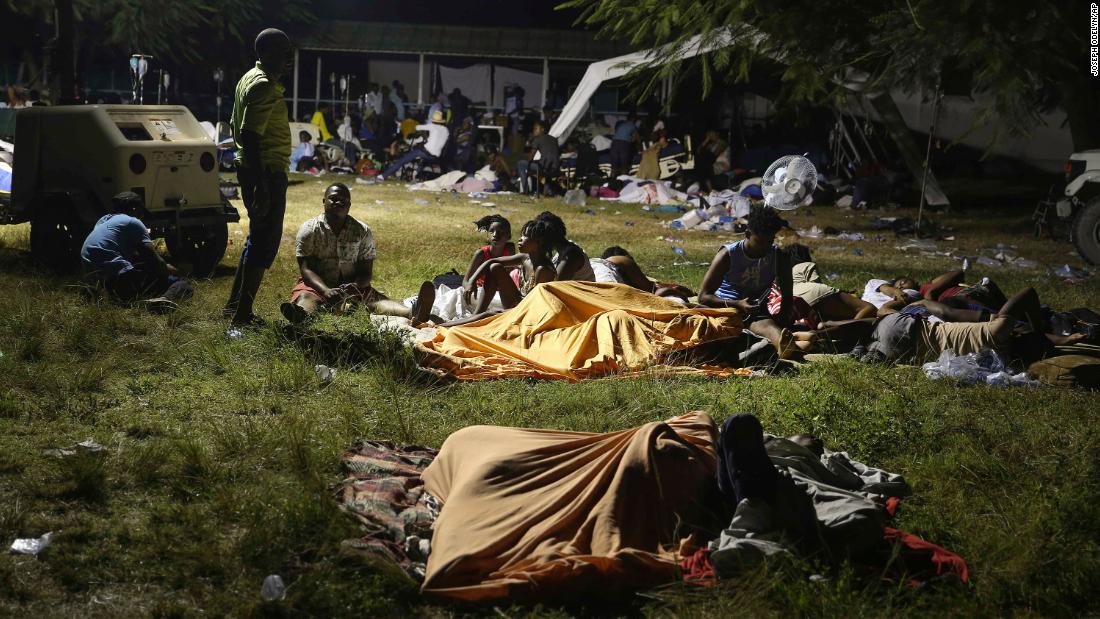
(812, 233)
(850, 236)
(88, 446)
(984, 367)
(325, 373)
(1024, 263)
(234, 333)
(832, 275)
(420, 202)
(628, 224)
(679, 251)
(489, 204)
(917, 244)
(589, 211)
(379, 201)
(574, 197)
(1070, 273)
(986, 261)
(31, 545)
(365, 181)
(273, 589)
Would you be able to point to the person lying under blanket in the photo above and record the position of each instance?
(336, 256)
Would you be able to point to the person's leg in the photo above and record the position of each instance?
(498, 281)
(522, 167)
(941, 283)
(260, 247)
(782, 339)
(410, 155)
(179, 289)
(1024, 306)
(949, 314)
(744, 469)
(419, 313)
(843, 306)
(631, 273)
(302, 306)
(248, 182)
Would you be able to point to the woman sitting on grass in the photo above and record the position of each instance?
(570, 261)
(741, 276)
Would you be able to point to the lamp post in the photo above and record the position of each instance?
(219, 76)
(139, 66)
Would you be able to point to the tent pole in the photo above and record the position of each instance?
(545, 83)
(317, 98)
(420, 81)
(928, 155)
(295, 117)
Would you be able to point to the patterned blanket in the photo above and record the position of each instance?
(384, 492)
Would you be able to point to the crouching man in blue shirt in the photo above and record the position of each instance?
(120, 256)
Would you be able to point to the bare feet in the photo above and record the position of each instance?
(422, 309)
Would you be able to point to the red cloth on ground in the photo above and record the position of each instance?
(698, 570)
(922, 560)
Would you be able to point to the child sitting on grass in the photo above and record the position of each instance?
(499, 245)
(513, 277)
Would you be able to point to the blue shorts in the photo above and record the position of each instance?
(264, 233)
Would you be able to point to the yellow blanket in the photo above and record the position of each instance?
(573, 330)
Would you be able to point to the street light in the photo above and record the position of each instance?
(139, 66)
(219, 77)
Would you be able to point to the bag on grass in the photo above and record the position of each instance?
(1068, 371)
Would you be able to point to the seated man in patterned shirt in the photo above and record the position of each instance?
(336, 257)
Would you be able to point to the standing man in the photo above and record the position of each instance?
(261, 130)
(622, 145)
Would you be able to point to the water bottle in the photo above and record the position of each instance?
(273, 588)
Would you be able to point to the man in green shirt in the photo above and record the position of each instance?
(261, 130)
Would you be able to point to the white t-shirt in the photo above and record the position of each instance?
(878, 299)
(437, 138)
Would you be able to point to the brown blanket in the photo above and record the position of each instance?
(558, 514)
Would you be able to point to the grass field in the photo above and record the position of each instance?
(220, 453)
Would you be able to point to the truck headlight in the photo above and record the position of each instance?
(137, 163)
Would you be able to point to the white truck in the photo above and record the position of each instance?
(1081, 205)
(70, 160)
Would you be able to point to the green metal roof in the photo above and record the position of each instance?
(440, 40)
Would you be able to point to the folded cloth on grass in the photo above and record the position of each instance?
(574, 330)
(554, 514)
(385, 493)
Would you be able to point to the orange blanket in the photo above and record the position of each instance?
(573, 330)
(553, 514)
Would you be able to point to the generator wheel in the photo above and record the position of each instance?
(1086, 232)
(57, 234)
(200, 246)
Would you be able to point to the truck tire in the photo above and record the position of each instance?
(200, 246)
(57, 234)
(1086, 232)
